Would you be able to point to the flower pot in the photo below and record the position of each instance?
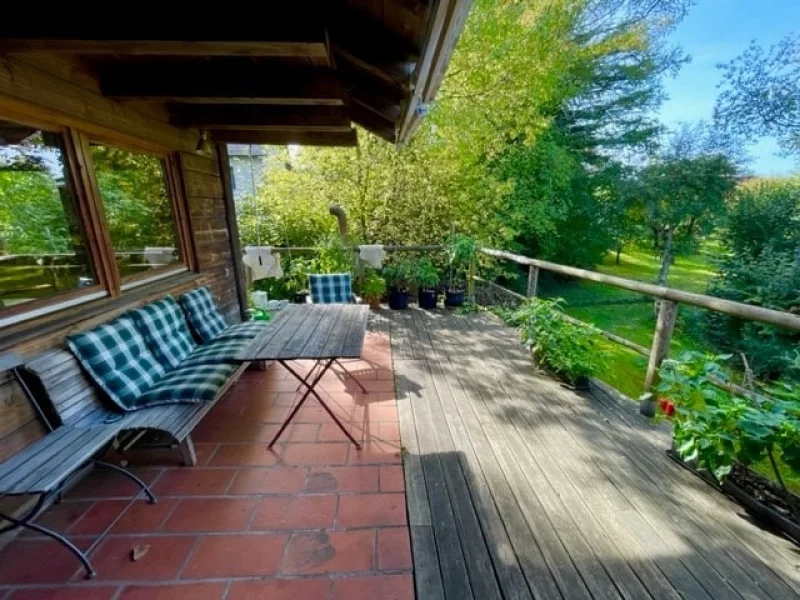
(454, 297)
(398, 299)
(374, 302)
(580, 384)
(300, 297)
(427, 299)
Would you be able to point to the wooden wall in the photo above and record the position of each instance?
(39, 86)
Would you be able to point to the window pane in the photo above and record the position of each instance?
(42, 251)
(138, 209)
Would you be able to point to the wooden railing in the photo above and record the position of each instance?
(669, 299)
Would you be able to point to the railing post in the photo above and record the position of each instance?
(533, 281)
(471, 281)
(667, 314)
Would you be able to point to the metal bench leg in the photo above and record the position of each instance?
(129, 475)
(187, 452)
(25, 521)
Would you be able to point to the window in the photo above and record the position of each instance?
(138, 209)
(42, 247)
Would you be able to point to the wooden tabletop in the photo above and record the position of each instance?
(311, 331)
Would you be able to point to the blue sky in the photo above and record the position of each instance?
(716, 31)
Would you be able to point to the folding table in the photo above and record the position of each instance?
(325, 333)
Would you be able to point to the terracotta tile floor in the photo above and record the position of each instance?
(313, 519)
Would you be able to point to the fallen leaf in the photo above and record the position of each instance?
(139, 550)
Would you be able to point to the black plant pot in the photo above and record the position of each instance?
(398, 299)
(300, 297)
(427, 299)
(454, 297)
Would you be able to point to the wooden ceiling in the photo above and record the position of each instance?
(302, 74)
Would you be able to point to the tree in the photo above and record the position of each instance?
(761, 94)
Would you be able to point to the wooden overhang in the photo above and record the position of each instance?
(302, 75)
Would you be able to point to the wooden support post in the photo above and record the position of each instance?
(471, 281)
(667, 314)
(533, 281)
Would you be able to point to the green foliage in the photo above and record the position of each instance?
(297, 275)
(569, 350)
(332, 256)
(426, 276)
(461, 251)
(717, 428)
(399, 274)
(761, 237)
(760, 94)
(373, 285)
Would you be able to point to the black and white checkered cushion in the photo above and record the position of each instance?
(189, 385)
(243, 331)
(165, 331)
(117, 358)
(331, 288)
(219, 351)
(203, 315)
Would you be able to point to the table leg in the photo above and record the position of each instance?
(309, 391)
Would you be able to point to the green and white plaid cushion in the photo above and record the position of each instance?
(243, 331)
(330, 288)
(203, 315)
(165, 331)
(189, 385)
(117, 358)
(216, 352)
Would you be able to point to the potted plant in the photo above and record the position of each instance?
(398, 278)
(460, 250)
(373, 288)
(427, 278)
(720, 430)
(297, 279)
(567, 349)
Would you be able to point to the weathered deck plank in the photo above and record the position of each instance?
(519, 488)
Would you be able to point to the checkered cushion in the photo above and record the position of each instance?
(187, 385)
(165, 331)
(333, 288)
(203, 315)
(243, 331)
(117, 358)
(217, 352)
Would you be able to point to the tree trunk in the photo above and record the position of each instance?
(619, 251)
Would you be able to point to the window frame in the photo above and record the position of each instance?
(94, 227)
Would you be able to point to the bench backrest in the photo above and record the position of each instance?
(57, 376)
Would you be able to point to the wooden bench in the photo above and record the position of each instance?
(81, 427)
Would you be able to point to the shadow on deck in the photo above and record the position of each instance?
(520, 488)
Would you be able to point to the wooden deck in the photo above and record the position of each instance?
(518, 488)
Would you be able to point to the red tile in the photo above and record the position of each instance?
(182, 591)
(314, 454)
(144, 517)
(394, 549)
(385, 587)
(97, 519)
(162, 561)
(60, 517)
(295, 512)
(101, 483)
(389, 431)
(194, 482)
(226, 432)
(344, 480)
(374, 452)
(236, 556)
(243, 455)
(329, 552)
(22, 562)
(211, 514)
(66, 593)
(392, 479)
(379, 385)
(371, 510)
(280, 589)
(269, 480)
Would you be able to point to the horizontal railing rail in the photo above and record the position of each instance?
(669, 299)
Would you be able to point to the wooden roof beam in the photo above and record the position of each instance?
(260, 117)
(214, 83)
(303, 138)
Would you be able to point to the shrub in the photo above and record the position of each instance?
(461, 250)
(716, 427)
(567, 349)
(373, 286)
(399, 274)
(425, 274)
